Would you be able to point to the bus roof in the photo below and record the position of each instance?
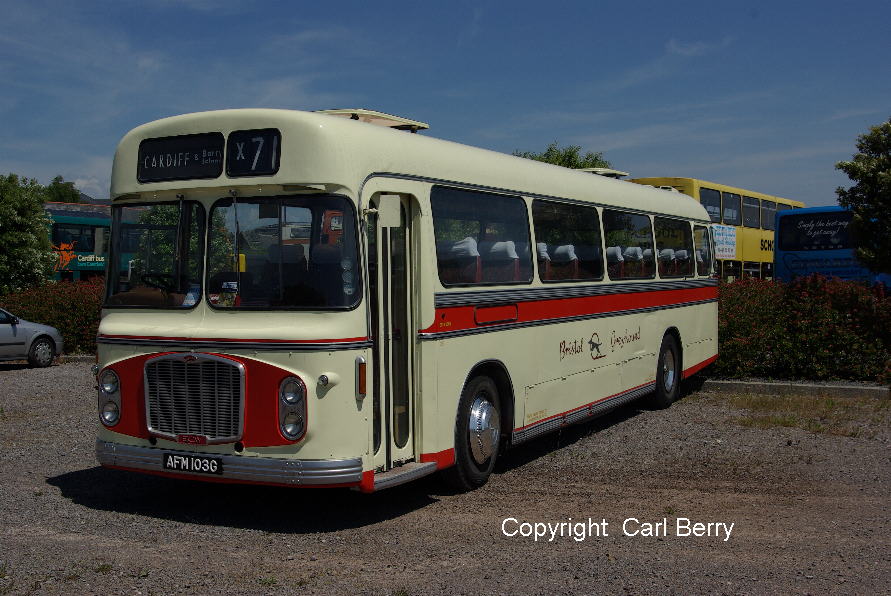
(320, 149)
(685, 184)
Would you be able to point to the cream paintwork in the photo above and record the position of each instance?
(358, 160)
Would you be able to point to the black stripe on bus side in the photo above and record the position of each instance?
(239, 345)
(479, 297)
(512, 326)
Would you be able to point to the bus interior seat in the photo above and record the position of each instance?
(590, 260)
(458, 262)
(667, 264)
(524, 269)
(544, 260)
(564, 262)
(325, 272)
(499, 261)
(682, 262)
(634, 262)
(615, 262)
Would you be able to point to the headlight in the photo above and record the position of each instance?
(110, 413)
(293, 391)
(292, 408)
(109, 402)
(108, 382)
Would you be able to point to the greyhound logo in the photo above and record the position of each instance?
(594, 345)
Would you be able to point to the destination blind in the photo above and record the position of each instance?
(182, 157)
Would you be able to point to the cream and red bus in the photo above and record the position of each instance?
(315, 300)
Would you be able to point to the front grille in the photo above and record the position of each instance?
(194, 395)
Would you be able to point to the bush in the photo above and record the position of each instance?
(71, 307)
(813, 328)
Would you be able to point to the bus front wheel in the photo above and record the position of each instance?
(477, 435)
(668, 373)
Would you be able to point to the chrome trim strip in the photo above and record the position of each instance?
(509, 326)
(191, 344)
(236, 467)
(583, 413)
(481, 297)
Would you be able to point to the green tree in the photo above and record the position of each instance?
(870, 196)
(59, 191)
(568, 157)
(26, 254)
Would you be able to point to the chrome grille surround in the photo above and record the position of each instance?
(194, 394)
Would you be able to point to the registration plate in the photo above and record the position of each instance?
(200, 464)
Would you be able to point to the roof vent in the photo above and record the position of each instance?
(378, 118)
(609, 173)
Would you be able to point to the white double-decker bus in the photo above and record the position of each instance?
(309, 299)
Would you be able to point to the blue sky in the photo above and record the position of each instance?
(767, 96)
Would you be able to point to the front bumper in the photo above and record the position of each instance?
(237, 468)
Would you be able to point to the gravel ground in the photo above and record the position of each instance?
(810, 512)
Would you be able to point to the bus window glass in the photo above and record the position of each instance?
(702, 252)
(78, 237)
(157, 254)
(768, 213)
(751, 212)
(629, 245)
(732, 213)
(711, 200)
(674, 247)
(567, 240)
(283, 252)
(481, 238)
(816, 231)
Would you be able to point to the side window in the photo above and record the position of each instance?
(768, 213)
(481, 238)
(703, 252)
(567, 241)
(629, 245)
(751, 212)
(674, 247)
(711, 200)
(732, 213)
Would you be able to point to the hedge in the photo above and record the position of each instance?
(71, 307)
(813, 328)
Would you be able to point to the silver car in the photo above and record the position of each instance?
(20, 339)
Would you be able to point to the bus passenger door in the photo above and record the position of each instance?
(389, 259)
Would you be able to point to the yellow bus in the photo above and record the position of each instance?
(314, 299)
(743, 222)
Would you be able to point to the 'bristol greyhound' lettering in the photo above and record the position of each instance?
(617, 341)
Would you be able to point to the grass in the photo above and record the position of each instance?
(848, 417)
(103, 568)
(268, 581)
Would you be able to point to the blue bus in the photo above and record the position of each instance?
(818, 240)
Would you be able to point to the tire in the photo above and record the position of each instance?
(477, 435)
(41, 353)
(668, 374)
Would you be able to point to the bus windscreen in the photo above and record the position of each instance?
(815, 231)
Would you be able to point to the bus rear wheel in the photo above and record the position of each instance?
(477, 435)
(668, 373)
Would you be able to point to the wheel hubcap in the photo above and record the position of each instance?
(43, 352)
(485, 429)
(668, 371)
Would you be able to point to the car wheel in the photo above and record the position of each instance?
(668, 373)
(41, 354)
(477, 435)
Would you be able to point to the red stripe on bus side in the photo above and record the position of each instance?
(460, 318)
(443, 459)
(588, 405)
(695, 369)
